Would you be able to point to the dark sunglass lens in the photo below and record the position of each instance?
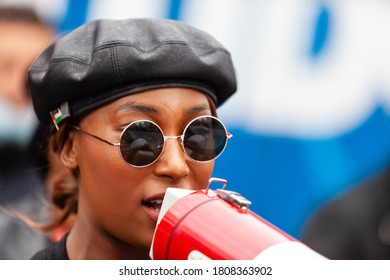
(141, 143)
(205, 139)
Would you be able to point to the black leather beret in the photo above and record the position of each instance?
(104, 60)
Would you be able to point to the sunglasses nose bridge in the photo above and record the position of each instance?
(174, 137)
(166, 138)
(166, 145)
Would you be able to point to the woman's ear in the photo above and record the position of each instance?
(69, 152)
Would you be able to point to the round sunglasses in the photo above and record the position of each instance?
(142, 142)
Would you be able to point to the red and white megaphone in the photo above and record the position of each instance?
(217, 224)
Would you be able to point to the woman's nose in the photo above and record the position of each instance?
(173, 161)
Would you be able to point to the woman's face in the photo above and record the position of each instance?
(118, 200)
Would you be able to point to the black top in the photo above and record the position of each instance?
(55, 251)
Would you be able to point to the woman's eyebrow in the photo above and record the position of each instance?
(198, 109)
(134, 107)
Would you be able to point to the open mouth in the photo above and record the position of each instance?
(153, 204)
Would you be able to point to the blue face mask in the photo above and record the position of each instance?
(17, 125)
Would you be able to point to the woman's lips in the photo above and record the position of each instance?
(153, 208)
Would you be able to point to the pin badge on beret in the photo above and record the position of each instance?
(60, 114)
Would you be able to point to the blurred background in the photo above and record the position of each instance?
(311, 116)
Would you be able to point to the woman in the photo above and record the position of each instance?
(134, 105)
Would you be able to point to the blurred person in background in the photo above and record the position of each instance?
(355, 225)
(23, 35)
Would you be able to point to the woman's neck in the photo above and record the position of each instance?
(87, 243)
